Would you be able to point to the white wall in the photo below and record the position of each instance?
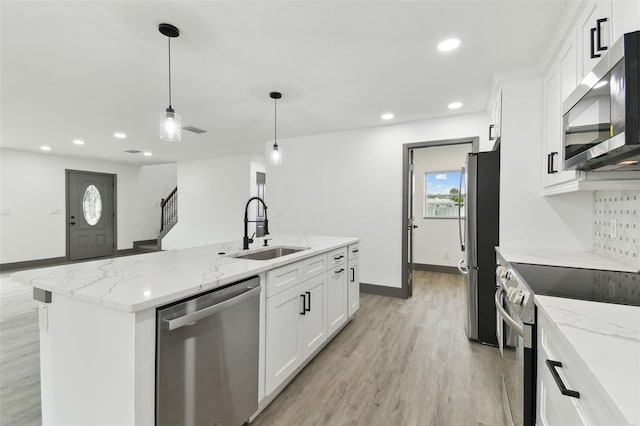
(32, 202)
(255, 167)
(350, 183)
(436, 241)
(526, 218)
(212, 194)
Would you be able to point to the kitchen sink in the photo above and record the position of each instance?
(268, 253)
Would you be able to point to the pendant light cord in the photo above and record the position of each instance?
(169, 40)
(275, 121)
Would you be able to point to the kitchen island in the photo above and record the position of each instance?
(98, 321)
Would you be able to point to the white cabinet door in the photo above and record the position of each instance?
(354, 286)
(625, 18)
(568, 68)
(552, 172)
(283, 351)
(313, 324)
(594, 35)
(336, 297)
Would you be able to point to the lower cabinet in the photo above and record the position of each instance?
(337, 294)
(353, 297)
(300, 319)
(567, 394)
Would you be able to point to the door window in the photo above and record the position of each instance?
(92, 205)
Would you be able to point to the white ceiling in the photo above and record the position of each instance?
(83, 70)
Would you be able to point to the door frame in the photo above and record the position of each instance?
(407, 291)
(66, 208)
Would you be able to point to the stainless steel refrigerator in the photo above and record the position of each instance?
(478, 238)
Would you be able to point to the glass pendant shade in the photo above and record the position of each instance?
(275, 155)
(170, 126)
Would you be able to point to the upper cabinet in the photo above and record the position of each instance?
(495, 119)
(593, 35)
(597, 26)
(625, 17)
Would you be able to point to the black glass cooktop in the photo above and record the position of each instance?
(622, 288)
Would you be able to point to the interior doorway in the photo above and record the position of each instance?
(410, 197)
(91, 214)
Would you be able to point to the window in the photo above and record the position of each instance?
(92, 205)
(442, 195)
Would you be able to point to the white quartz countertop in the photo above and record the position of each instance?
(607, 338)
(572, 259)
(138, 282)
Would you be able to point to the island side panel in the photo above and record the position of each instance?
(145, 367)
(87, 363)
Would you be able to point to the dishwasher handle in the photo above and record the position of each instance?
(210, 310)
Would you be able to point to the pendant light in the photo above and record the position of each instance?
(276, 154)
(170, 121)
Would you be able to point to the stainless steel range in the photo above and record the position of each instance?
(517, 285)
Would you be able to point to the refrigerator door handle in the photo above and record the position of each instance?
(462, 268)
(460, 213)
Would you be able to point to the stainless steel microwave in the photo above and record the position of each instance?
(601, 117)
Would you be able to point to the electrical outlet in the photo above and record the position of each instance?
(613, 228)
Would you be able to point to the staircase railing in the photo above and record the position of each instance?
(168, 215)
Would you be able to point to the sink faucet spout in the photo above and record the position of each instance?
(246, 240)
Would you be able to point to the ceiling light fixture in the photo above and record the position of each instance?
(120, 135)
(170, 122)
(78, 142)
(45, 148)
(276, 154)
(448, 45)
(147, 154)
(455, 105)
(387, 116)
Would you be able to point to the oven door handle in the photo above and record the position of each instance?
(505, 315)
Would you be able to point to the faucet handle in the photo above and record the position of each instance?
(251, 237)
(266, 242)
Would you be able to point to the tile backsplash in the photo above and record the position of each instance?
(623, 207)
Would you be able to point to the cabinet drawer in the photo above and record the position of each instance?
(315, 266)
(354, 251)
(338, 256)
(591, 406)
(283, 278)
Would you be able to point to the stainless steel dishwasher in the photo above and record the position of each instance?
(207, 357)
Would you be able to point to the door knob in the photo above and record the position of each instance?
(72, 223)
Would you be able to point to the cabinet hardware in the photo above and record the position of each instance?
(338, 258)
(599, 46)
(339, 271)
(491, 128)
(554, 373)
(355, 251)
(308, 307)
(550, 169)
(353, 275)
(304, 305)
(592, 44)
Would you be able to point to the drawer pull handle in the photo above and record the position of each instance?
(554, 373)
(355, 251)
(339, 271)
(338, 257)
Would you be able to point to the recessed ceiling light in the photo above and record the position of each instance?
(455, 105)
(120, 135)
(45, 148)
(78, 141)
(387, 116)
(147, 154)
(448, 45)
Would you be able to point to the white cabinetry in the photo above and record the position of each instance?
(559, 366)
(568, 62)
(495, 118)
(306, 302)
(553, 172)
(593, 34)
(354, 286)
(625, 17)
(337, 294)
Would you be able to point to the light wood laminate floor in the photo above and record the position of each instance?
(399, 362)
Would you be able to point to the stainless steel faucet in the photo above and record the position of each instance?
(246, 240)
